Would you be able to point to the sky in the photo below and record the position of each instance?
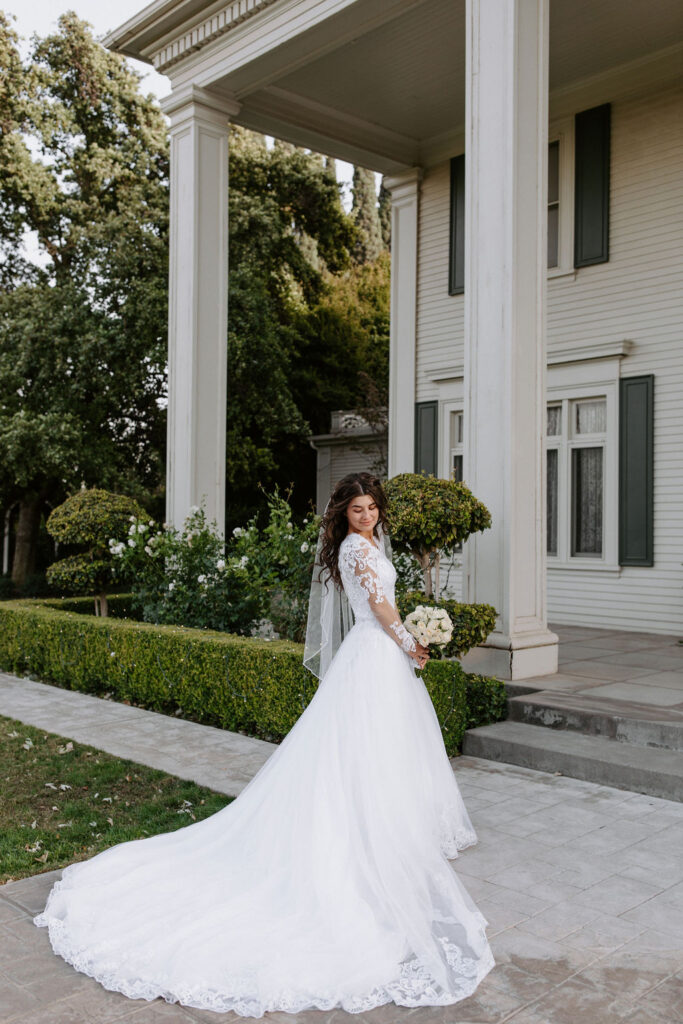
(104, 15)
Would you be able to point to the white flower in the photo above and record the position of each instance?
(171, 585)
(304, 547)
(132, 529)
(194, 509)
(201, 579)
(148, 550)
(131, 519)
(289, 536)
(238, 531)
(142, 527)
(220, 564)
(131, 542)
(243, 562)
(305, 521)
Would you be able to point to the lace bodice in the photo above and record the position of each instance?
(369, 580)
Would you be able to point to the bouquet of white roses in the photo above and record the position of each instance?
(430, 626)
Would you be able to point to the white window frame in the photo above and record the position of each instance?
(562, 131)
(566, 394)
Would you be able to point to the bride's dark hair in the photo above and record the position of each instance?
(335, 524)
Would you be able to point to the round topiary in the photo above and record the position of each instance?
(89, 519)
(428, 516)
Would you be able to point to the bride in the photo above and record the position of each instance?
(325, 884)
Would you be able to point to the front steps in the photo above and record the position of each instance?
(615, 743)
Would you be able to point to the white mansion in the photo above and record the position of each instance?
(534, 152)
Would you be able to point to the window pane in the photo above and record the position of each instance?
(591, 417)
(551, 501)
(457, 467)
(456, 429)
(554, 427)
(554, 172)
(587, 501)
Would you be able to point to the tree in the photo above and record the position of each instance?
(365, 216)
(284, 206)
(385, 215)
(84, 171)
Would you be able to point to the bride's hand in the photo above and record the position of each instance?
(420, 655)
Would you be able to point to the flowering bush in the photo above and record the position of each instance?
(183, 577)
(430, 626)
(278, 561)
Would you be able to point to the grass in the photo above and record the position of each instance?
(62, 801)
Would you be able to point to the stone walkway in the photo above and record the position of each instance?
(582, 885)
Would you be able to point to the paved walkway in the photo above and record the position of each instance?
(582, 885)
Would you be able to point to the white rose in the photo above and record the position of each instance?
(304, 547)
(238, 531)
(243, 562)
(220, 564)
(131, 542)
(171, 585)
(194, 509)
(201, 579)
(148, 550)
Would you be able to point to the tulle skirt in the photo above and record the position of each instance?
(325, 884)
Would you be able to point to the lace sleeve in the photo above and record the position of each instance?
(361, 559)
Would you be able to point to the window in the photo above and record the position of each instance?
(553, 204)
(580, 450)
(456, 448)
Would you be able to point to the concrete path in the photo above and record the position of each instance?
(582, 885)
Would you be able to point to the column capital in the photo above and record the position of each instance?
(405, 184)
(193, 101)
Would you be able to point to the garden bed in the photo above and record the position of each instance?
(255, 686)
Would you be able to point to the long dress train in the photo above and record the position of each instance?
(326, 882)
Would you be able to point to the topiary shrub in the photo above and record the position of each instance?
(428, 516)
(90, 519)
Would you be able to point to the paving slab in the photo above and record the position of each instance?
(587, 927)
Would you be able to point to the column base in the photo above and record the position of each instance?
(518, 657)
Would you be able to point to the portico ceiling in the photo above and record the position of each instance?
(384, 82)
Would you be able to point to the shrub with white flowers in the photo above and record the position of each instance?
(184, 577)
(278, 558)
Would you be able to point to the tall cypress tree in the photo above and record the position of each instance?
(365, 216)
(385, 215)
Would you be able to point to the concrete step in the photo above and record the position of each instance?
(643, 725)
(648, 770)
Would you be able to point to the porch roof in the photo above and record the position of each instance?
(382, 82)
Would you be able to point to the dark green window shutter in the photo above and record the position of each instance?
(456, 255)
(426, 437)
(636, 477)
(591, 186)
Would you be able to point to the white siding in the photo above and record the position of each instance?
(636, 296)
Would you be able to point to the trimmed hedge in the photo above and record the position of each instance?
(245, 684)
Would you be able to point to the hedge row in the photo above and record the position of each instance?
(245, 684)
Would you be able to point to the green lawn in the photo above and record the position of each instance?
(61, 801)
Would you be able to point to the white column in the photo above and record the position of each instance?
(198, 303)
(505, 272)
(405, 190)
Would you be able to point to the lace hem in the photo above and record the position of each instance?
(414, 987)
(453, 838)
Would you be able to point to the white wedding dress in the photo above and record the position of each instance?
(325, 884)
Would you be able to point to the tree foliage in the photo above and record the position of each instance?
(365, 215)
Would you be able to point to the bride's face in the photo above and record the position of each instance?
(362, 513)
